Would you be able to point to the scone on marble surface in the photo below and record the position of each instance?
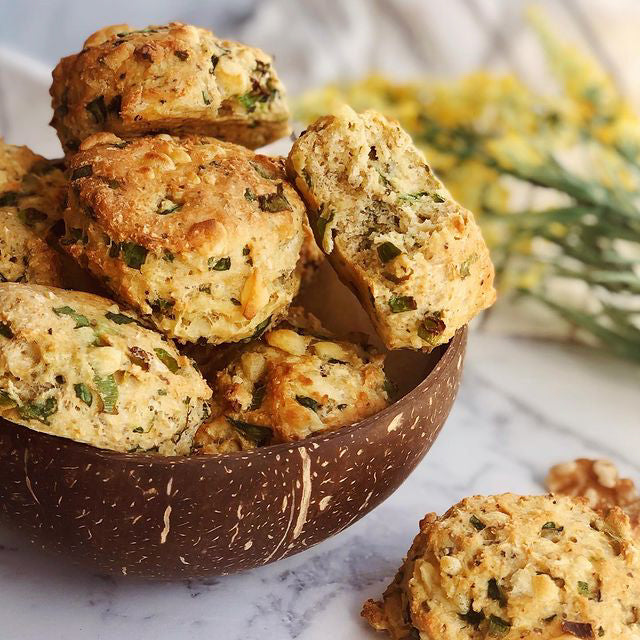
(32, 194)
(511, 566)
(175, 78)
(201, 236)
(75, 365)
(293, 383)
(415, 258)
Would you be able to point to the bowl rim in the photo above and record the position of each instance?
(454, 348)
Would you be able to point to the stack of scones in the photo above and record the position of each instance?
(195, 242)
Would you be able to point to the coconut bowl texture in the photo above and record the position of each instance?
(172, 518)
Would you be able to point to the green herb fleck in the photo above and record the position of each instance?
(249, 195)
(108, 391)
(31, 217)
(308, 402)
(322, 224)
(431, 327)
(477, 523)
(119, 318)
(274, 202)
(80, 320)
(5, 330)
(389, 388)
(6, 399)
(162, 392)
(551, 526)
(498, 626)
(400, 304)
(134, 255)
(258, 434)
(167, 206)
(40, 412)
(85, 171)
(583, 588)
(98, 109)
(263, 172)
(260, 328)
(83, 392)
(221, 264)
(168, 256)
(138, 430)
(388, 251)
(9, 199)
(206, 98)
(495, 593)
(257, 397)
(167, 360)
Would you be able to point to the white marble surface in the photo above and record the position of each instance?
(523, 406)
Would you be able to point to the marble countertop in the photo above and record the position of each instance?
(523, 406)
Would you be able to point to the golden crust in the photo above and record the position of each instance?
(516, 567)
(32, 194)
(295, 382)
(73, 365)
(174, 78)
(200, 235)
(415, 258)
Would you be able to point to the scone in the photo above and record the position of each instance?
(175, 78)
(415, 258)
(32, 195)
(201, 236)
(75, 365)
(513, 566)
(295, 382)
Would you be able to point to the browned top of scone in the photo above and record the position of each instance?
(133, 189)
(176, 78)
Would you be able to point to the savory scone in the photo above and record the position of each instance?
(415, 258)
(75, 365)
(201, 236)
(32, 194)
(175, 78)
(293, 383)
(512, 567)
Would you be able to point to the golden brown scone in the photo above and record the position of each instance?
(295, 382)
(512, 567)
(174, 78)
(75, 365)
(32, 195)
(415, 258)
(201, 236)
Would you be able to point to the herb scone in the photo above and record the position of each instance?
(32, 194)
(293, 383)
(512, 567)
(201, 236)
(415, 258)
(75, 365)
(175, 78)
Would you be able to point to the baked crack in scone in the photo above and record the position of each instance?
(75, 365)
(201, 236)
(293, 383)
(32, 194)
(512, 567)
(174, 78)
(415, 258)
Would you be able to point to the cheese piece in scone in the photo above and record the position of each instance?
(415, 258)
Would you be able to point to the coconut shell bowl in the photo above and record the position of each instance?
(175, 518)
